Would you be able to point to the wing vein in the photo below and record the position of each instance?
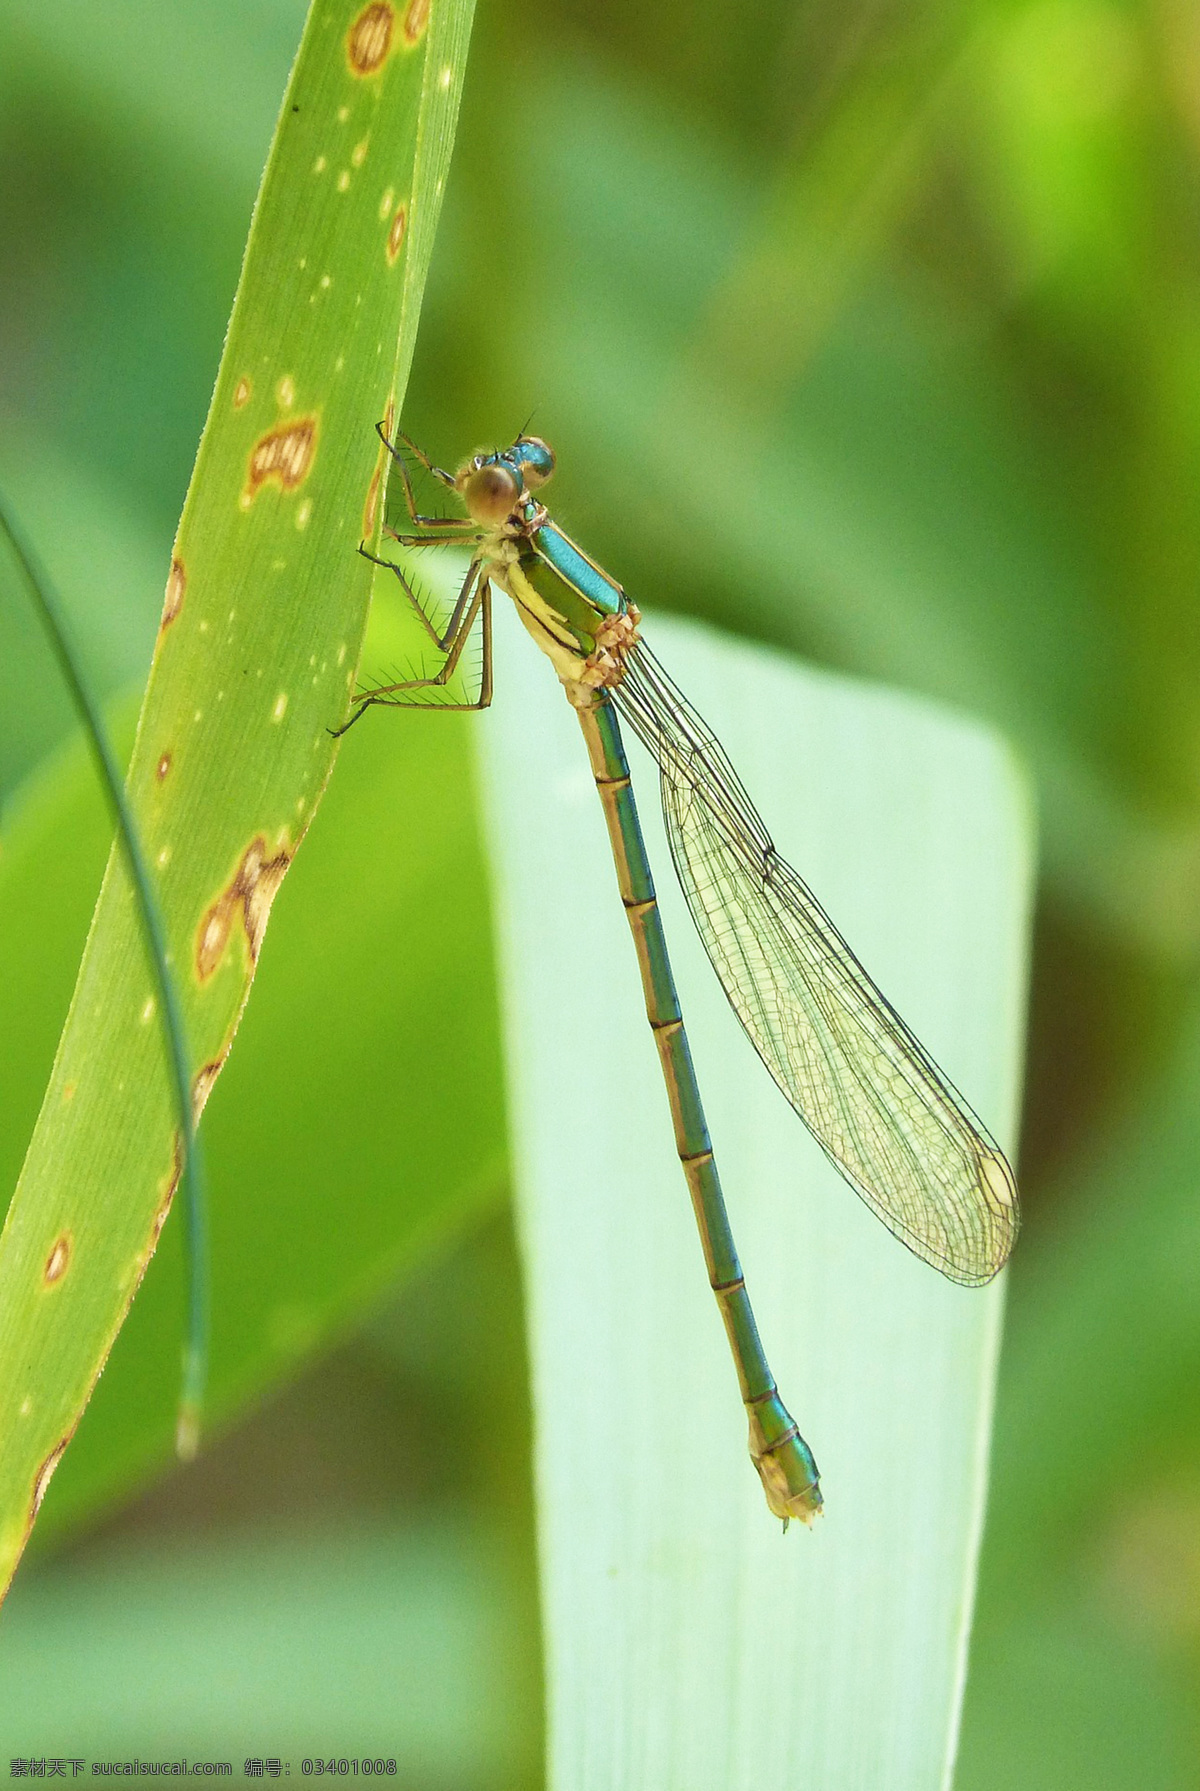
(895, 1126)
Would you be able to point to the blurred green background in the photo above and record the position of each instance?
(871, 330)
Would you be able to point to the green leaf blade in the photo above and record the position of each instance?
(256, 657)
(688, 1642)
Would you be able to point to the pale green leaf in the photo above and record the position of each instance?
(688, 1641)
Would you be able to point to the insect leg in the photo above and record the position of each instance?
(441, 641)
(427, 522)
(474, 601)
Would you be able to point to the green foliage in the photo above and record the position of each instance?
(932, 271)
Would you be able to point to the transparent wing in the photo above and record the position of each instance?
(868, 1091)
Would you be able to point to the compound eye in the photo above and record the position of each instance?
(490, 493)
(537, 459)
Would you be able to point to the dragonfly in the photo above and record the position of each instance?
(891, 1122)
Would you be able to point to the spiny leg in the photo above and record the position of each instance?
(393, 696)
(441, 641)
(438, 472)
(465, 537)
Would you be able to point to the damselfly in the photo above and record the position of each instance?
(896, 1128)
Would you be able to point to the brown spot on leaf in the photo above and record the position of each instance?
(250, 892)
(369, 38)
(285, 454)
(44, 1475)
(241, 393)
(168, 1194)
(166, 1187)
(176, 590)
(70, 1090)
(202, 1087)
(415, 20)
(395, 236)
(371, 507)
(260, 892)
(214, 936)
(163, 766)
(58, 1260)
